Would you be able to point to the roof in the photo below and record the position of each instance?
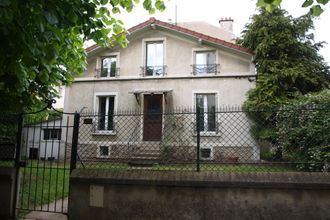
(183, 30)
(211, 30)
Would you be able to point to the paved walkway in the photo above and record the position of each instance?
(35, 215)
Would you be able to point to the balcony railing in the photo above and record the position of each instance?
(104, 72)
(199, 69)
(153, 70)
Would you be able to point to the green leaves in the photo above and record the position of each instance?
(42, 43)
(51, 17)
(323, 2)
(315, 10)
(307, 3)
(4, 3)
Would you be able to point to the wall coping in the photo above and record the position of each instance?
(288, 180)
(7, 173)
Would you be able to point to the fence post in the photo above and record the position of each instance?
(17, 162)
(198, 138)
(74, 147)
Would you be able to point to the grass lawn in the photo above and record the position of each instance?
(258, 167)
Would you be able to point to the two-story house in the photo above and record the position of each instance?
(164, 66)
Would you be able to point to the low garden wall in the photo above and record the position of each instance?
(105, 194)
(7, 183)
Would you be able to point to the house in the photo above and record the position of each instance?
(44, 140)
(164, 66)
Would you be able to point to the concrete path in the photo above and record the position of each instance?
(36, 215)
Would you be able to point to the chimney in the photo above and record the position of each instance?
(226, 23)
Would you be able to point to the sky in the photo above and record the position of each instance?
(240, 10)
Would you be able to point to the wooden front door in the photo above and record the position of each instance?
(152, 122)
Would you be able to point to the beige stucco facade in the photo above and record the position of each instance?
(234, 77)
(233, 80)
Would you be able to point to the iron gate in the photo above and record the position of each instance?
(45, 156)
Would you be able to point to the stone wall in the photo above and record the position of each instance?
(97, 194)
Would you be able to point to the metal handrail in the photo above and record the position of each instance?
(98, 73)
(205, 68)
(154, 70)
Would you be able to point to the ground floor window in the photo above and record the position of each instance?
(105, 113)
(205, 105)
(52, 134)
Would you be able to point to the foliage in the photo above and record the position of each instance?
(287, 63)
(42, 43)
(304, 132)
(315, 6)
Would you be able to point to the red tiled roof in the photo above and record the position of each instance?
(182, 30)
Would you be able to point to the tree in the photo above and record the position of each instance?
(286, 58)
(315, 7)
(287, 63)
(42, 43)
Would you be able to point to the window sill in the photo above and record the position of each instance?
(204, 74)
(160, 76)
(105, 133)
(208, 134)
(103, 157)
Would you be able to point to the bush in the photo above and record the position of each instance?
(303, 131)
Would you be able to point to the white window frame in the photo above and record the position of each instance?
(104, 55)
(145, 41)
(96, 109)
(207, 92)
(99, 151)
(198, 50)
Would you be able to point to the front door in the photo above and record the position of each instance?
(152, 124)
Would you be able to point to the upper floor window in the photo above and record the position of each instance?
(205, 104)
(108, 66)
(205, 62)
(154, 59)
(105, 113)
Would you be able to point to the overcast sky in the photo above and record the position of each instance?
(240, 10)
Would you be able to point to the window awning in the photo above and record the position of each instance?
(137, 93)
(159, 91)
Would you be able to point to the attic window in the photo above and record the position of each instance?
(154, 58)
(108, 66)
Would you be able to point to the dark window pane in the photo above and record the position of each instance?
(52, 134)
(108, 66)
(110, 112)
(101, 113)
(104, 151)
(205, 153)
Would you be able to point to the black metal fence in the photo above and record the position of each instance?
(222, 140)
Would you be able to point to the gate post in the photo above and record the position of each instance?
(74, 147)
(198, 138)
(17, 162)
